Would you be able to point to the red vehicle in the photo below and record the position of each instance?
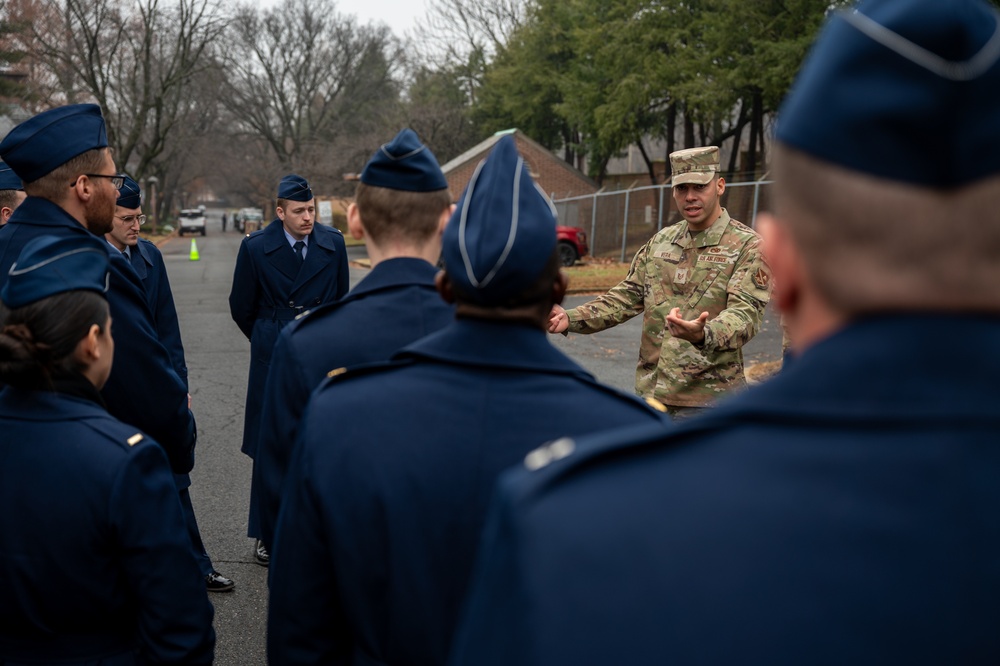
(572, 243)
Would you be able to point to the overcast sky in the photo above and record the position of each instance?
(399, 15)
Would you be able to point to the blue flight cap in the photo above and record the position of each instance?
(8, 179)
(906, 90)
(49, 265)
(46, 141)
(404, 164)
(294, 188)
(129, 195)
(503, 232)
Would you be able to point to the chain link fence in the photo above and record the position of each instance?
(619, 223)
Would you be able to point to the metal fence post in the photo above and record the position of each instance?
(593, 227)
(756, 199)
(625, 225)
(659, 221)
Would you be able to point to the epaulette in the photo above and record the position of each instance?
(362, 370)
(134, 439)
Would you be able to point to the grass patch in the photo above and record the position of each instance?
(595, 276)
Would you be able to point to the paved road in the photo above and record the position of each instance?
(218, 358)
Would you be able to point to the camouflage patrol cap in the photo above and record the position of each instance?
(694, 165)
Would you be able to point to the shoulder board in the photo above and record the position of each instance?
(336, 375)
(114, 431)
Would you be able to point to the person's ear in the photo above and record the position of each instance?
(280, 212)
(354, 225)
(445, 216)
(784, 260)
(443, 284)
(88, 350)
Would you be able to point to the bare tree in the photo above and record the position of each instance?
(310, 83)
(465, 35)
(135, 59)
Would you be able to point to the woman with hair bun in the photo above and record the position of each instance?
(95, 564)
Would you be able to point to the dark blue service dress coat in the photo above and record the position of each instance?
(272, 286)
(390, 482)
(394, 305)
(95, 562)
(144, 390)
(147, 260)
(845, 512)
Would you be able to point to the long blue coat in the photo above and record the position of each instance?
(394, 305)
(95, 560)
(390, 482)
(846, 512)
(143, 390)
(147, 260)
(272, 286)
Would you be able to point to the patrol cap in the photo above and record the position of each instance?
(294, 188)
(906, 90)
(129, 195)
(49, 265)
(404, 164)
(8, 179)
(502, 234)
(694, 165)
(46, 141)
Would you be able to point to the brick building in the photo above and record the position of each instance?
(556, 178)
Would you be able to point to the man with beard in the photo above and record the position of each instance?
(69, 175)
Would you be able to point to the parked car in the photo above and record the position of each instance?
(572, 244)
(249, 220)
(191, 219)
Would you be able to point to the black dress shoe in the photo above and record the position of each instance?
(216, 582)
(260, 554)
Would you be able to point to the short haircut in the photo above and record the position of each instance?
(54, 184)
(8, 198)
(871, 244)
(399, 215)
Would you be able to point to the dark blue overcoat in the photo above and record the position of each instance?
(147, 260)
(95, 560)
(272, 286)
(390, 481)
(144, 390)
(394, 305)
(845, 512)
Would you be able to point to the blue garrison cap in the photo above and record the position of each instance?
(503, 232)
(46, 141)
(404, 164)
(49, 265)
(8, 179)
(907, 90)
(129, 195)
(294, 188)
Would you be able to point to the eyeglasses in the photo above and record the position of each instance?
(117, 180)
(129, 220)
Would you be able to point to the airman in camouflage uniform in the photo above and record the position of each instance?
(702, 286)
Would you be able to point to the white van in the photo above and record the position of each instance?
(191, 219)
